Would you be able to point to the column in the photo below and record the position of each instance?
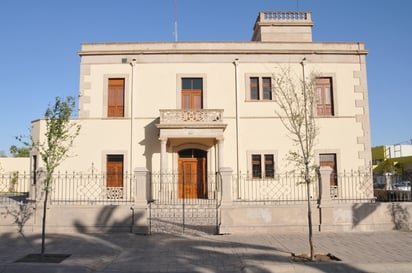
(163, 155)
(142, 190)
(220, 143)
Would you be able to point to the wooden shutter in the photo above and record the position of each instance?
(114, 171)
(324, 97)
(330, 161)
(115, 101)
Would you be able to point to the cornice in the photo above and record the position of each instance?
(216, 48)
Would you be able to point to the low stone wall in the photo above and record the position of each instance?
(263, 218)
(83, 219)
(234, 218)
(331, 217)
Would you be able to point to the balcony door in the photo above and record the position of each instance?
(192, 93)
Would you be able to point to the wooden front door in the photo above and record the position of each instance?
(192, 178)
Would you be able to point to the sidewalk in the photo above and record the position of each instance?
(263, 253)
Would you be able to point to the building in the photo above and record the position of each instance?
(395, 158)
(197, 109)
(392, 167)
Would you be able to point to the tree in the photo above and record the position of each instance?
(20, 151)
(53, 150)
(296, 102)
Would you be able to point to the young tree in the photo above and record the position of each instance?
(53, 150)
(296, 101)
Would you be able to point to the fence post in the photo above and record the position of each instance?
(226, 185)
(324, 183)
(36, 192)
(141, 176)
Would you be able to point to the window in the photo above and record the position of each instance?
(330, 161)
(254, 88)
(257, 166)
(192, 92)
(267, 88)
(114, 171)
(324, 97)
(263, 169)
(269, 166)
(260, 88)
(115, 101)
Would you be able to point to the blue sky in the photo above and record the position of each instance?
(40, 40)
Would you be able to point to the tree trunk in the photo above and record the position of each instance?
(307, 182)
(43, 231)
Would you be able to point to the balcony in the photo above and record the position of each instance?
(285, 16)
(189, 118)
(283, 26)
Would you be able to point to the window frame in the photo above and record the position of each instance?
(332, 95)
(111, 103)
(179, 88)
(193, 95)
(260, 85)
(126, 95)
(338, 160)
(259, 158)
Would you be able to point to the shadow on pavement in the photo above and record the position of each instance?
(128, 252)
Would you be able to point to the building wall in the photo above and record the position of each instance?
(11, 164)
(155, 86)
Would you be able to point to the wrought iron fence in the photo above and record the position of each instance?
(170, 188)
(14, 187)
(353, 187)
(183, 203)
(282, 189)
(90, 188)
(393, 187)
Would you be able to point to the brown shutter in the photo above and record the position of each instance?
(114, 171)
(324, 97)
(115, 100)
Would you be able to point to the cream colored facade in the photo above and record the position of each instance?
(230, 126)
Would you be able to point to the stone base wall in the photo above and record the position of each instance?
(326, 218)
(233, 218)
(83, 219)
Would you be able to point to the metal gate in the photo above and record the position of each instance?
(170, 211)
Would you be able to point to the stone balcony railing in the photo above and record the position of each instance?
(191, 117)
(285, 16)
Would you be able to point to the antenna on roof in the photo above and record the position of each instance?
(175, 20)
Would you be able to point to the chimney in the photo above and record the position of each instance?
(283, 26)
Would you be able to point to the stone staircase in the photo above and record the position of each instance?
(183, 218)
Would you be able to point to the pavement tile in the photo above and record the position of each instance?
(260, 252)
